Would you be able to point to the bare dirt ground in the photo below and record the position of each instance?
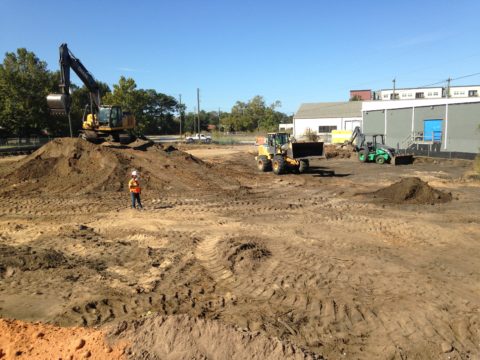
(305, 266)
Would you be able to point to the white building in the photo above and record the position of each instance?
(322, 118)
(464, 91)
(427, 93)
(285, 127)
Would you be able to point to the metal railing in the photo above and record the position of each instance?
(420, 138)
(23, 141)
(21, 145)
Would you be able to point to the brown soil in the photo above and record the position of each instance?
(298, 261)
(21, 340)
(183, 337)
(337, 151)
(78, 166)
(412, 190)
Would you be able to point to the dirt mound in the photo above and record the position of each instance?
(412, 190)
(19, 339)
(77, 166)
(337, 151)
(243, 256)
(182, 337)
(26, 258)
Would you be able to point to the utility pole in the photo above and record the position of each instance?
(194, 121)
(393, 95)
(198, 108)
(448, 87)
(181, 112)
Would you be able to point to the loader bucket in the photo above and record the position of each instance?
(402, 160)
(305, 150)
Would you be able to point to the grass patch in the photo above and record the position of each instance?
(233, 139)
(476, 164)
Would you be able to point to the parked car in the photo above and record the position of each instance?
(198, 138)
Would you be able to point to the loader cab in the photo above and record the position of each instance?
(372, 141)
(378, 139)
(276, 141)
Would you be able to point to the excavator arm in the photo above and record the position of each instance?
(357, 133)
(60, 103)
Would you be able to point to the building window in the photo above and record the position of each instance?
(472, 93)
(429, 94)
(326, 129)
(419, 95)
(385, 96)
(394, 96)
(435, 93)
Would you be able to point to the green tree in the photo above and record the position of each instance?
(24, 85)
(254, 115)
(206, 118)
(154, 111)
(158, 113)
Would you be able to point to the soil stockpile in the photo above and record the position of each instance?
(412, 190)
(21, 340)
(183, 337)
(336, 151)
(77, 166)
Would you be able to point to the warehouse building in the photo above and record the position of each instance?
(448, 127)
(322, 118)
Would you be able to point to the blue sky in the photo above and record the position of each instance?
(292, 51)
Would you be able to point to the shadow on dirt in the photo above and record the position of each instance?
(320, 171)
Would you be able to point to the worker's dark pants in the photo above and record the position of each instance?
(136, 199)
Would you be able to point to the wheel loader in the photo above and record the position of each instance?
(278, 153)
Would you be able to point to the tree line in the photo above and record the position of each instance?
(25, 82)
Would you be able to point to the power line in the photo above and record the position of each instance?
(466, 76)
(457, 78)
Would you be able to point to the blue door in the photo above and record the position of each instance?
(432, 130)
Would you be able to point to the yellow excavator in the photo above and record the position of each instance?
(99, 121)
(278, 153)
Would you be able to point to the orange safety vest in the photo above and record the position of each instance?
(134, 186)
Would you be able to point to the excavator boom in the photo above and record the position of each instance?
(61, 103)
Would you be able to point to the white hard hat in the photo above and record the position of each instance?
(134, 173)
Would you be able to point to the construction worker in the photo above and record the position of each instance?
(135, 190)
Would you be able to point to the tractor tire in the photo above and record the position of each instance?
(380, 160)
(264, 164)
(304, 166)
(363, 155)
(278, 165)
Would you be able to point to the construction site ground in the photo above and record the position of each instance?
(228, 262)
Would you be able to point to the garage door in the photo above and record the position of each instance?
(432, 129)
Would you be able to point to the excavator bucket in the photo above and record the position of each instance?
(402, 160)
(305, 150)
(58, 104)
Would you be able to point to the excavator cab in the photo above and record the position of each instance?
(110, 116)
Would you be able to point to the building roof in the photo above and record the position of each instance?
(329, 110)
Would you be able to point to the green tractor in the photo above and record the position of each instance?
(376, 150)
